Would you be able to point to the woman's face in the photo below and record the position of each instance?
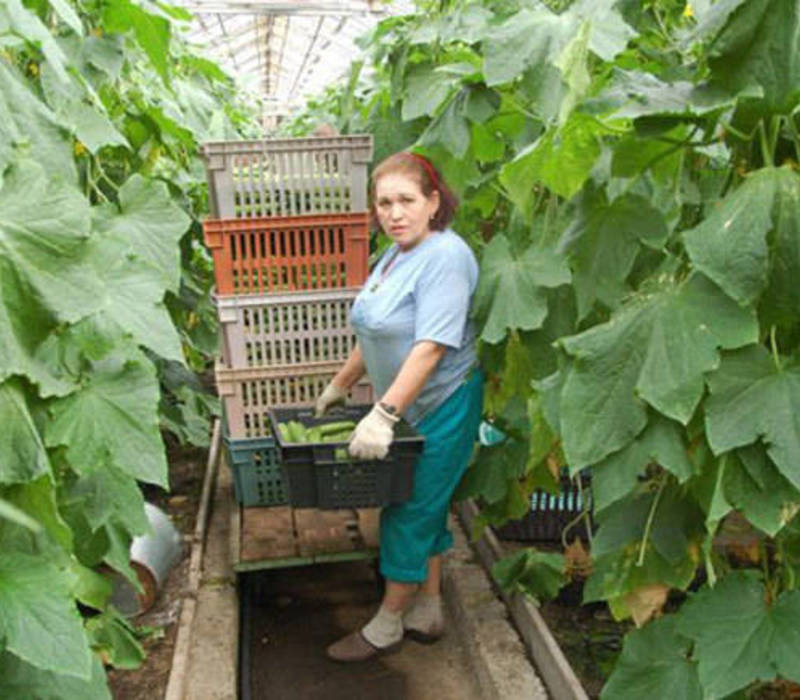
(404, 212)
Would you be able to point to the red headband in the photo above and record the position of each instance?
(428, 168)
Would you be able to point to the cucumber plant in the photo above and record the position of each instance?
(628, 174)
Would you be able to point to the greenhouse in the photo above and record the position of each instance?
(400, 349)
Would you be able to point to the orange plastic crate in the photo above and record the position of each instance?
(253, 256)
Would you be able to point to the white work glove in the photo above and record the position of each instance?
(373, 434)
(330, 396)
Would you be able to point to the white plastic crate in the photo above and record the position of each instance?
(295, 328)
(247, 394)
(287, 177)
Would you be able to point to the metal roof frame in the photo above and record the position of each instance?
(285, 51)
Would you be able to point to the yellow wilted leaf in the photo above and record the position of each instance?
(577, 559)
(646, 602)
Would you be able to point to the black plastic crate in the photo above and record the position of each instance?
(317, 479)
(551, 513)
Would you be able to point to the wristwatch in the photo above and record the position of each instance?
(391, 410)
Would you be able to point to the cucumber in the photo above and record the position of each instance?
(284, 431)
(295, 432)
(337, 428)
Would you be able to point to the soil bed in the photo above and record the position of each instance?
(159, 624)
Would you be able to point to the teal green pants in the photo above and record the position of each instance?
(417, 529)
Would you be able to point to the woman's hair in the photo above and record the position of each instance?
(424, 173)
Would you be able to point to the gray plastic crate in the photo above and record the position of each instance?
(248, 394)
(296, 328)
(287, 177)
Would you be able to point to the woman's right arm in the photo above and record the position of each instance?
(352, 370)
(336, 391)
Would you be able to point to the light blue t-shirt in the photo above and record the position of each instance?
(426, 295)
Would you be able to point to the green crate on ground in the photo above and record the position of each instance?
(257, 475)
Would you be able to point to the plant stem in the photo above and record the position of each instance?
(667, 152)
(766, 154)
(774, 345)
(101, 171)
(649, 524)
(521, 109)
(795, 136)
(585, 511)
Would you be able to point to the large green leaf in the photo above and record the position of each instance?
(656, 349)
(451, 128)
(152, 32)
(539, 575)
(150, 221)
(25, 119)
(105, 494)
(115, 638)
(491, 471)
(113, 416)
(610, 32)
(70, 101)
(68, 15)
(44, 275)
(654, 664)
(426, 89)
(751, 398)
(676, 526)
(23, 456)
(730, 245)
(661, 442)
(534, 37)
(26, 24)
(511, 290)
(760, 44)
(602, 243)
(781, 300)
(22, 681)
(38, 618)
(132, 300)
(740, 637)
(633, 94)
(44, 227)
(38, 499)
(754, 486)
(528, 38)
(561, 159)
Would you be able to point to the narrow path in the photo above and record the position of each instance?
(289, 616)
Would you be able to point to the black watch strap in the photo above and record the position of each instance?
(391, 410)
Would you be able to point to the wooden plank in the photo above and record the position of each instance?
(369, 520)
(267, 533)
(323, 531)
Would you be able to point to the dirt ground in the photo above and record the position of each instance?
(187, 467)
(293, 614)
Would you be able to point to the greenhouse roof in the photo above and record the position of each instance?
(286, 51)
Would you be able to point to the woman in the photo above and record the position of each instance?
(417, 345)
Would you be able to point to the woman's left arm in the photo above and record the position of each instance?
(413, 374)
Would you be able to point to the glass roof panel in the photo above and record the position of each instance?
(285, 51)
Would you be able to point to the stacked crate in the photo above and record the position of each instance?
(289, 236)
